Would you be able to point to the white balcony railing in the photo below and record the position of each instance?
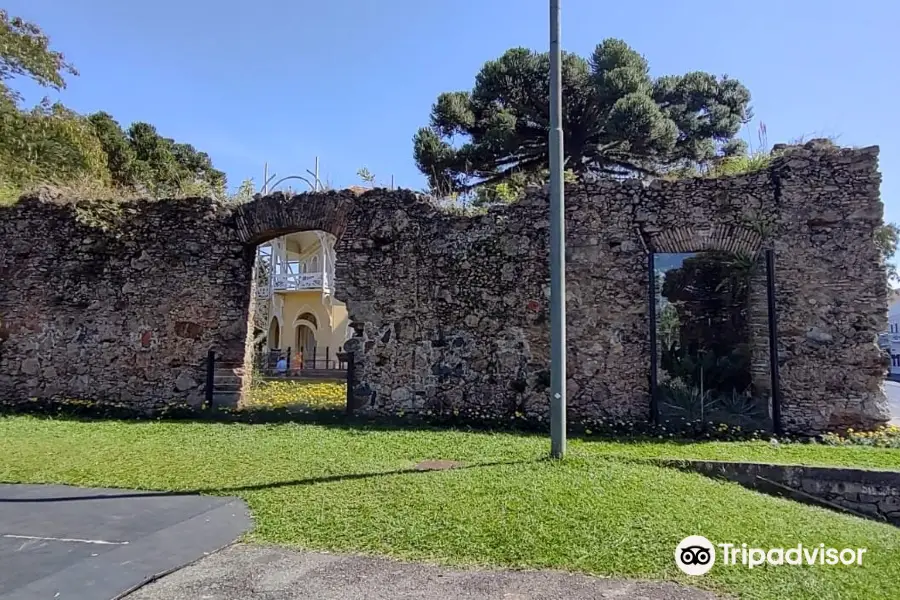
(286, 282)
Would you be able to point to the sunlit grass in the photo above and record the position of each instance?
(355, 490)
(314, 395)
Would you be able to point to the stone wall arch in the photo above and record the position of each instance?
(279, 214)
(733, 239)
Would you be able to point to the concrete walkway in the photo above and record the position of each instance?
(246, 572)
(66, 543)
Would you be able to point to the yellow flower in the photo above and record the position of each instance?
(309, 394)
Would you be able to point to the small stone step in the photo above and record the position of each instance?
(320, 374)
(338, 377)
(227, 387)
(225, 399)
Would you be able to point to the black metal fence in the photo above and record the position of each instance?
(301, 363)
(223, 378)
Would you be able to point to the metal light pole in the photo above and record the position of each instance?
(557, 249)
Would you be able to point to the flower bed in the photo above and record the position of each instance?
(314, 395)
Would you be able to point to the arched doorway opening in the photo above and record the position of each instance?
(292, 306)
(309, 318)
(710, 355)
(305, 338)
(274, 339)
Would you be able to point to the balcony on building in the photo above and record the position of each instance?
(300, 282)
(299, 262)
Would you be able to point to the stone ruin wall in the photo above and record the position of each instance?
(451, 312)
(121, 308)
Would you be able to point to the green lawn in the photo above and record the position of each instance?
(351, 490)
(794, 453)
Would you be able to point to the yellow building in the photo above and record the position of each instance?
(296, 308)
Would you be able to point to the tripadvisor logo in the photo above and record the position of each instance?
(696, 555)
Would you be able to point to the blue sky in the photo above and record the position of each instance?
(352, 80)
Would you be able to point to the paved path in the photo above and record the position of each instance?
(892, 391)
(248, 572)
(65, 543)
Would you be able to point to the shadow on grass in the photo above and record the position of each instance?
(268, 486)
(332, 418)
(617, 431)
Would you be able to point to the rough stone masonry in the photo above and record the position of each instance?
(122, 302)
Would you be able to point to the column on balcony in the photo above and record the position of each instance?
(280, 253)
(326, 242)
(324, 268)
(280, 259)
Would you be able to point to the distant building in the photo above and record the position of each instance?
(891, 339)
(297, 315)
(296, 308)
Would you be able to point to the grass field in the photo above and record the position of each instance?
(346, 489)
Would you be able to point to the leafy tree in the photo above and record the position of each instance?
(61, 145)
(48, 138)
(52, 143)
(120, 156)
(244, 193)
(156, 156)
(25, 51)
(886, 238)
(513, 187)
(709, 293)
(617, 119)
(197, 166)
(668, 325)
(140, 158)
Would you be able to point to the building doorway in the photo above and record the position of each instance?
(306, 342)
(274, 337)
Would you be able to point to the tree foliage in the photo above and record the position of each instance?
(513, 187)
(709, 293)
(25, 52)
(617, 119)
(887, 238)
(50, 143)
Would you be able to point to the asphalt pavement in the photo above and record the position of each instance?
(66, 543)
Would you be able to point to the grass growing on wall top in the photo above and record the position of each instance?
(85, 190)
